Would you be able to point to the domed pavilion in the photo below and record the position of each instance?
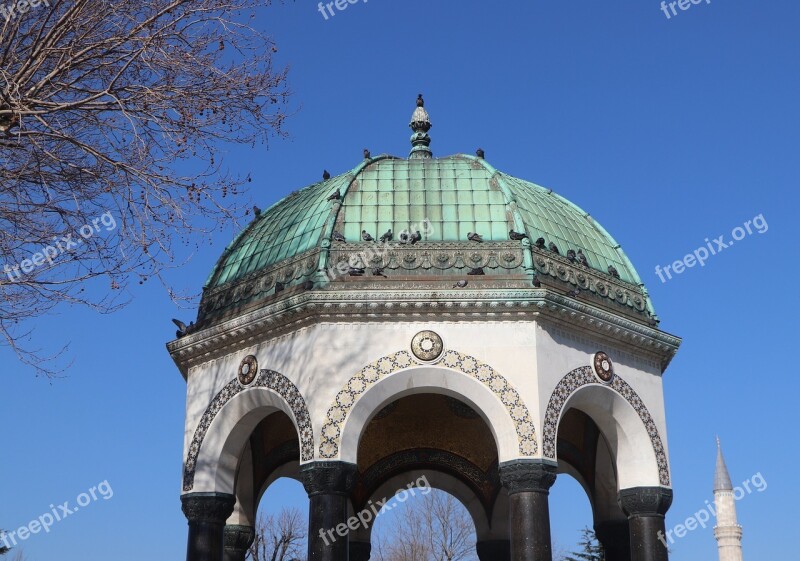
(425, 316)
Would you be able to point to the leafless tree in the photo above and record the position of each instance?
(279, 537)
(433, 527)
(121, 108)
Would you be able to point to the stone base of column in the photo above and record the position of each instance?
(328, 485)
(645, 507)
(494, 550)
(238, 540)
(360, 551)
(206, 513)
(615, 536)
(528, 483)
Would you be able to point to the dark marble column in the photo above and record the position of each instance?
(360, 551)
(615, 536)
(206, 513)
(494, 550)
(645, 508)
(528, 483)
(238, 540)
(328, 485)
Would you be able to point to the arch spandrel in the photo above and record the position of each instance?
(456, 374)
(230, 418)
(630, 429)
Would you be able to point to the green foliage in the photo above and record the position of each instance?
(591, 550)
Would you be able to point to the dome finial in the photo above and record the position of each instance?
(420, 124)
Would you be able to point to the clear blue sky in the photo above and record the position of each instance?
(668, 131)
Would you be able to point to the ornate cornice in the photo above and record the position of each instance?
(481, 304)
(328, 478)
(645, 501)
(212, 508)
(441, 263)
(521, 476)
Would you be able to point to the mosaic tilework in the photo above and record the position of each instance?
(271, 380)
(372, 373)
(584, 376)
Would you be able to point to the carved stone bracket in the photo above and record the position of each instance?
(328, 478)
(207, 507)
(645, 501)
(519, 476)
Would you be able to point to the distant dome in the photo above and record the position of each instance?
(291, 242)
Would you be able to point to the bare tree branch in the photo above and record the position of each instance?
(113, 121)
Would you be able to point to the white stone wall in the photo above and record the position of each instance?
(320, 360)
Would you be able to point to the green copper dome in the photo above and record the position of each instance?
(325, 237)
(456, 195)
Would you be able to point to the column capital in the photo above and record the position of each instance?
(519, 476)
(207, 507)
(645, 501)
(239, 538)
(328, 478)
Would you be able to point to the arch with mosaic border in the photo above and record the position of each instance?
(399, 374)
(270, 390)
(583, 378)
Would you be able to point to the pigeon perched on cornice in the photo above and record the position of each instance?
(554, 248)
(516, 236)
(536, 282)
(415, 237)
(378, 272)
(279, 286)
(460, 284)
(256, 211)
(387, 237)
(326, 175)
(337, 236)
(612, 270)
(476, 271)
(367, 155)
(480, 153)
(582, 259)
(539, 243)
(574, 292)
(474, 237)
(366, 236)
(183, 329)
(335, 196)
(356, 272)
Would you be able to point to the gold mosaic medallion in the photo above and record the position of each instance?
(427, 345)
(603, 366)
(248, 370)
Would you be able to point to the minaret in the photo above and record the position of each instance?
(727, 531)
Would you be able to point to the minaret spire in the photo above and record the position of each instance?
(727, 531)
(420, 124)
